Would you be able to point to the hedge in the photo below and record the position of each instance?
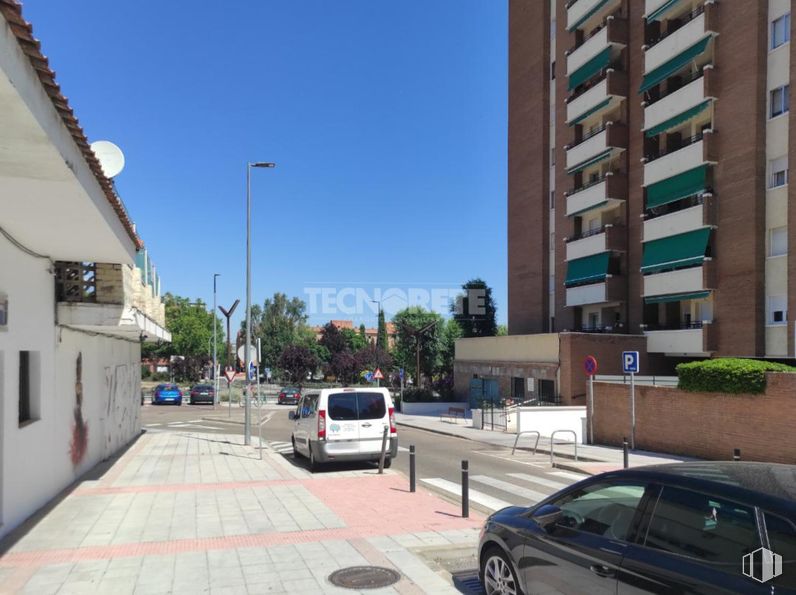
(421, 395)
(727, 375)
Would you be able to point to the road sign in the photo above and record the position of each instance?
(252, 371)
(252, 353)
(377, 375)
(229, 374)
(401, 373)
(369, 376)
(590, 365)
(630, 362)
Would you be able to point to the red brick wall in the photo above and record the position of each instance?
(704, 425)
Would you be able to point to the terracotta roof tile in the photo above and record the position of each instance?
(31, 47)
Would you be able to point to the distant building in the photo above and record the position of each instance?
(78, 293)
(370, 333)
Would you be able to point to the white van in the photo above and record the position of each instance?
(344, 424)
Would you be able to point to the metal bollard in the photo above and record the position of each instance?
(465, 489)
(624, 453)
(383, 449)
(412, 470)
(736, 454)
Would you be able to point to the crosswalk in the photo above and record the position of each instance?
(510, 489)
(283, 448)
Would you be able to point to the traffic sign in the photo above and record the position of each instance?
(377, 375)
(401, 373)
(369, 376)
(630, 362)
(252, 371)
(590, 365)
(252, 353)
(229, 374)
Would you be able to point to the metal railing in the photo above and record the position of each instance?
(684, 80)
(536, 444)
(677, 326)
(553, 444)
(685, 143)
(638, 380)
(679, 205)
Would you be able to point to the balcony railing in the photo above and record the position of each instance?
(591, 183)
(683, 144)
(593, 81)
(684, 21)
(684, 80)
(677, 326)
(679, 205)
(589, 233)
(588, 135)
(603, 328)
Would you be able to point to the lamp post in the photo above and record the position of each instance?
(215, 349)
(247, 437)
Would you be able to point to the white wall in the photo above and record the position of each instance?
(546, 420)
(432, 409)
(35, 460)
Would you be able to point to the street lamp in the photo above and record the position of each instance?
(215, 349)
(247, 437)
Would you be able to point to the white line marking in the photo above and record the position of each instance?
(510, 488)
(475, 496)
(548, 483)
(568, 475)
(403, 449)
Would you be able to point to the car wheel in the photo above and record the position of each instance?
(314, 466)
(498, 572)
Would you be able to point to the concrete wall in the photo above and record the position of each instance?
(547, 420)
(705, 425)
(44, 456)
(434, 409)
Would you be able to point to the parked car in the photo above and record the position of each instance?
(202, 393)
(344, 424)
(676, 528)
(288, 396)
(167, 393)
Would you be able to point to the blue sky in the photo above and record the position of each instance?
(387, 121)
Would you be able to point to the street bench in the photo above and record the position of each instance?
(454, 413)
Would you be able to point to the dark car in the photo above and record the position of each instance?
(702, 527)
(202, 393)
(167, 393)
(288, 396)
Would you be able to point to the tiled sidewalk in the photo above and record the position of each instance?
(200, 513)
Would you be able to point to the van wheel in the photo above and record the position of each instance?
(313, 463)
(296, 453)
(387, 462)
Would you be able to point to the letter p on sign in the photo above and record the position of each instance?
(630, 362)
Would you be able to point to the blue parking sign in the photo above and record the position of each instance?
(630, 362)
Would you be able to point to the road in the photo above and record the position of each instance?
(497, 478)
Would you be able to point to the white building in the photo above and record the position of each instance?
(77, 292)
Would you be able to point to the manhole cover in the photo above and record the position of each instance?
(364, 577)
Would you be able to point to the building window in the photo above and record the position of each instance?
(777, 309)
(553, 70)
(552, 157)
(552, 199)
(28, 386)
(778, 172)
(780, 100)
(780, 31)
(778, 241)
(3, 311)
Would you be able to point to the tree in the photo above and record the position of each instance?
(502, 330)
(298, 362)
(278, 323)
(343, 367)
(372, 357)
(382, 340)
(416, 327)
(354, 340)
(363, 333)
(475, 310)
(333, 339)
(447, 350)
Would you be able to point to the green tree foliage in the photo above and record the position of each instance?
(333, 339)
(727, 375)
(363, 333)
(372, 357)
(298, 362)
(280, 322)
(502, 330)
(354, 340)
(416, 326)
(447, 350)
(382, 340)
(475, 310)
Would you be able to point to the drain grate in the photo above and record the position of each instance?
(364, 577)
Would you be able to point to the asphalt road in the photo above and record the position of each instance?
(497, 478)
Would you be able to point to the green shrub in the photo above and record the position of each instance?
(420, 395)
(727, 375)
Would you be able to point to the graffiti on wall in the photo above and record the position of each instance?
(77, 449)
(122, 406)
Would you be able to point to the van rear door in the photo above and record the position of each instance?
(342, 426)
(373, 418)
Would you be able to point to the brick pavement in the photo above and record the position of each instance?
(200, 513)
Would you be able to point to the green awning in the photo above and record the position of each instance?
(671, 189)
(667, 69)
(589, 112)
(594, 206)
(587, 15)
(589, 269)
(666, 254)
(656, 14)
(676, 297)
(678, 119)
(580, 166)
(590, 68)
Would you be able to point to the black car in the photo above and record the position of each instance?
(203, 393)
(702, 527)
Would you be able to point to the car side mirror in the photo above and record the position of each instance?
(291, 415)
(546, 516)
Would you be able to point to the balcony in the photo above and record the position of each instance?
(597, 52)
(607, 291)
(603, 144)
(690, 280)
(581, 13)
(112, 299)
(691, 218)
(601, 98)
(655, 10)
(678, 106)
(703, 23)
(695, 151)
(608, 237)
(694, 339)
(601, 195)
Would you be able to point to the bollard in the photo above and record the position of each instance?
(736, 454)
(383, 450)
(465, 489)
(412, 477)
(624, 452)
